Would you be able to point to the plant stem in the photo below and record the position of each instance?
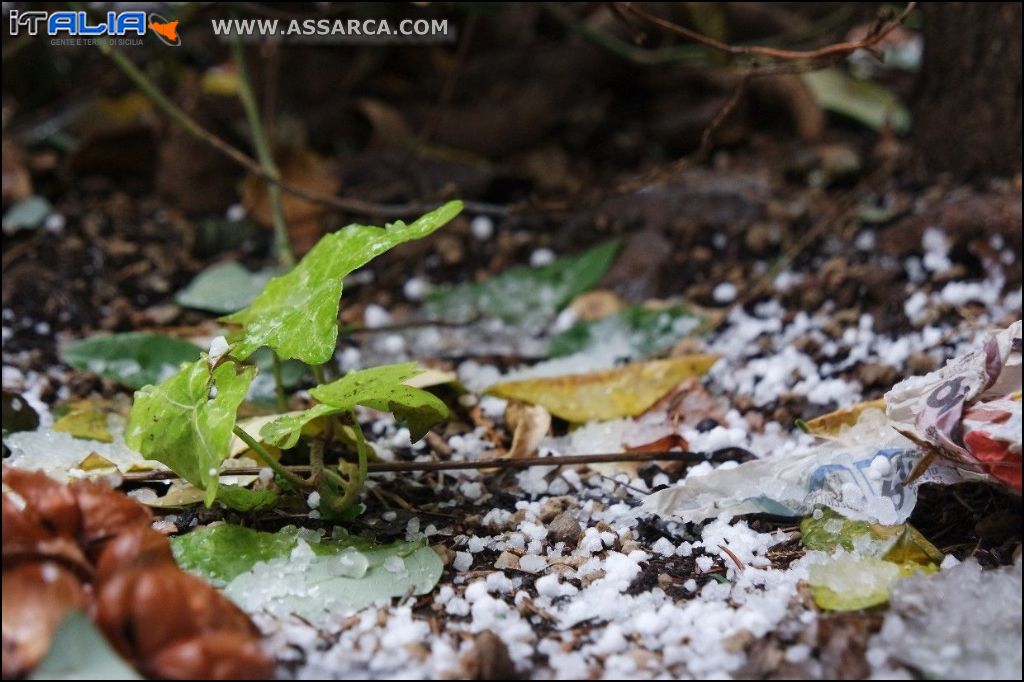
(267, 459)
(362, 447)
(318, 375)
(282, 398)
(263, 152)
(316, 461)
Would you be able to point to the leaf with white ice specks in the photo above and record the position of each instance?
(296, 315)
(134, 359)
(381, 388)
(868, 559)
(186, 422)
(224, 288)
(80, 652)
(641, 331)
(827, 531)
(849, 582)
(298, 572)
(525, 294)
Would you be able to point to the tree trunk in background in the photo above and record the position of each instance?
(967, 114)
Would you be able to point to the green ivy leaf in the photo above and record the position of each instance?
(186, 421)
(221, 552)
(381, 388)
(244, 499)
(644, 332)
(284, 431)
(135, 359)
(297, 313)
(524, 294)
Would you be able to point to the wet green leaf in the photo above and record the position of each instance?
(525, 294)
(831, 530)
(380, 388)
(221, 552)
(224, 288)
(640, 331)
(315, 578)
(186, 422)
(245, 499)
(80, 652)
(297, 313)
(135, 359)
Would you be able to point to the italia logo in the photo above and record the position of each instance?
(79, 24)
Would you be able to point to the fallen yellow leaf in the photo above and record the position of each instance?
(85, 420)
(829, 425)
(94, 461)
(610, 394)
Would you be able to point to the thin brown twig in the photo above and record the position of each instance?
(345, 204)
(498, 463)
(707, 139)
(451, 80)
(875, 36)
(735, 559)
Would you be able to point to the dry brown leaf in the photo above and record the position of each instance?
(529, 424)
(390, 128)
(594, 305)
(300, 168)
(17, 183)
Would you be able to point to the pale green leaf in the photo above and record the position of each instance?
(27, 214)
(186, 422)
(297, 313)
(80, 652)
(134, 359)
(863, 101)
(223, 288)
